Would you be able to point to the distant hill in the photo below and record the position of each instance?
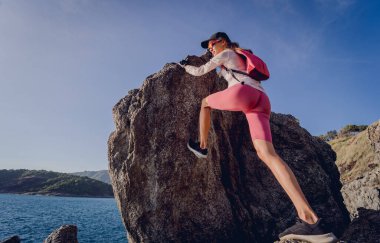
(51, 183)
(100, 175)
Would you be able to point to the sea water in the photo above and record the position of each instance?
(33, 217)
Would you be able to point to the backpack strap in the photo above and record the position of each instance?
(238, 71)
(233, 75)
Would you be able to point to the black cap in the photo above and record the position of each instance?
(216, 36)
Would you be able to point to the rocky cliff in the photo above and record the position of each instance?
(166, 194)
(358, 160)
(356, 154)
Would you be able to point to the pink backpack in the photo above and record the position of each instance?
(255, 67)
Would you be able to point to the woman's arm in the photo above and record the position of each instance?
(214, 62)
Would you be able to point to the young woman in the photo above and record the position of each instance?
(247, 95)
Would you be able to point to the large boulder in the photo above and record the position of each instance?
(166, 194)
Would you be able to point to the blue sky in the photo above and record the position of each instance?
(65, 63)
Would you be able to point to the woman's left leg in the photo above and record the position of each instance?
(286, 178)
(259, 126)
(309, 228)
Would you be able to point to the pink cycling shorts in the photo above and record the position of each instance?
(254, 103)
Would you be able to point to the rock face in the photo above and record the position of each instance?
(363, 192)
(166, 194)
(357, 155)
(64, 234)
(374, 137)
(364, 228)
(361, 153)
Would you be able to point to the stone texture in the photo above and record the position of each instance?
(364, 191)
(364, 228)
(166, 194)
(13, 239)
(374, 137)
(64, 234)
(355, 155)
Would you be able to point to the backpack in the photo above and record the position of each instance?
(255, 67)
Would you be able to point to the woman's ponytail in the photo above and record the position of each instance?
(234, 45)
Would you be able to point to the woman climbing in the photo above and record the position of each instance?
(247, 95)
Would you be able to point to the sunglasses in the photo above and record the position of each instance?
(212, 43)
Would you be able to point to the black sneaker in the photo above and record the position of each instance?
(196, 149)
(308, 232)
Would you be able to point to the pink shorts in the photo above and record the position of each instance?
(254, 103)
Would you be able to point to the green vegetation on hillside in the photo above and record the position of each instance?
(352, 129)
(347, 131)
(51, 183)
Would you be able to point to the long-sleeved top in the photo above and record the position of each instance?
(230, 60)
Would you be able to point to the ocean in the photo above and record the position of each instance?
(33, 217)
